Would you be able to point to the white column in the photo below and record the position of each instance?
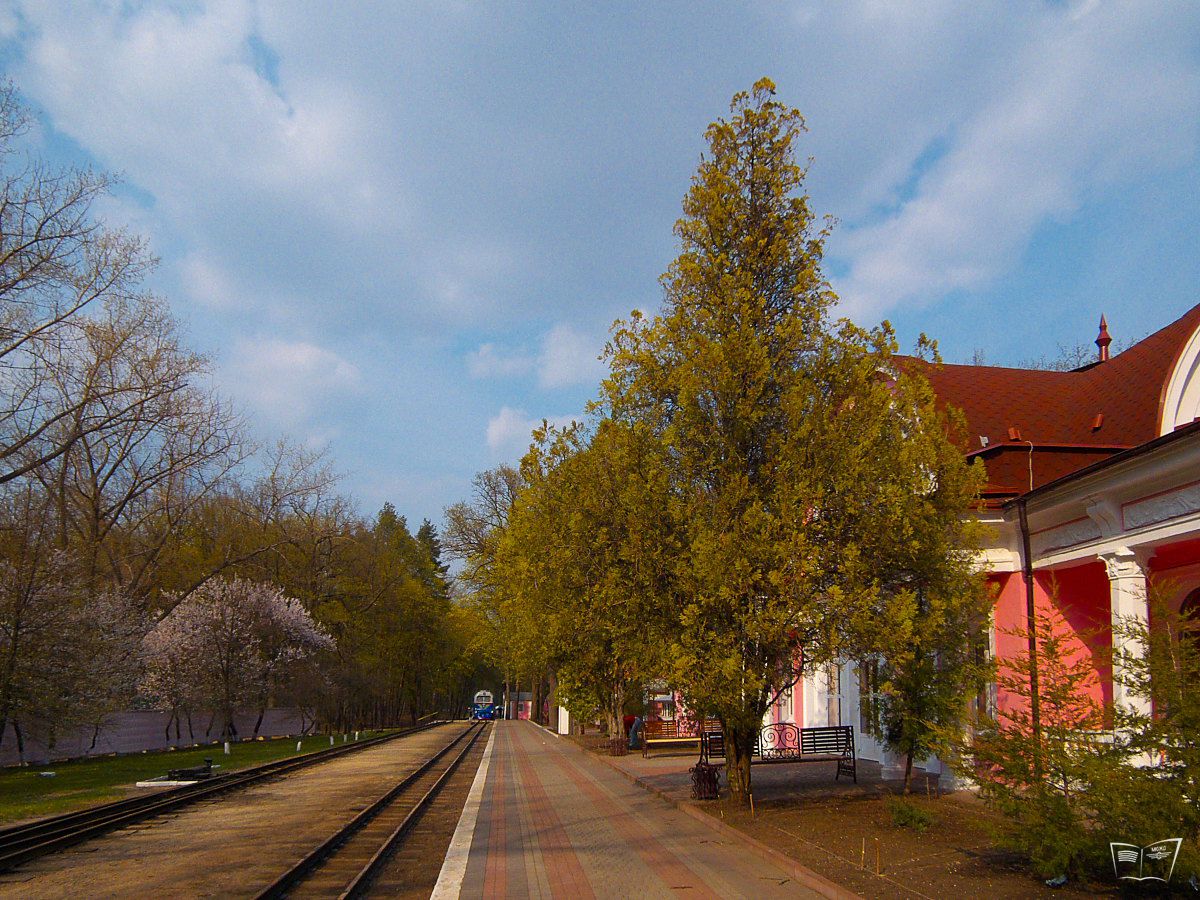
(1127, 596)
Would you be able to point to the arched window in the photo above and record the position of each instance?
(1191, 605)
(1189, 610)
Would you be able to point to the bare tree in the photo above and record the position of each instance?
(56, 260)
(157, 445)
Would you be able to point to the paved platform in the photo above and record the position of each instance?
(667, 772)
(553, 822)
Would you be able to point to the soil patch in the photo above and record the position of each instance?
(855, 842)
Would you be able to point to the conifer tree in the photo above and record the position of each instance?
(804, 464)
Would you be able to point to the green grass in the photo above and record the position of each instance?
(24, 794)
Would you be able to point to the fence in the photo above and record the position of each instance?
(129, 732)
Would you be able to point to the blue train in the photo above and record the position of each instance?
(484, 708)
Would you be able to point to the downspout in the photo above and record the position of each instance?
(1035, 705)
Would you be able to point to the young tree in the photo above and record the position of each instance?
(788, 442)
(1151, 782)
(1041, 778)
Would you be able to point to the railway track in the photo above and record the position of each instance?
(347, 863)
(22, 843)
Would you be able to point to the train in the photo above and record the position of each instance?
(484, 708)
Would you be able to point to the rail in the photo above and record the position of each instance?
(21, 843)
(357, 885)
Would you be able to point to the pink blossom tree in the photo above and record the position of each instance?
(227, 645)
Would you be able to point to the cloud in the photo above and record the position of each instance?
(209, 284)
(568, 358)
(490, 361)
(1087, 101)
(509, 431)
(285, 381)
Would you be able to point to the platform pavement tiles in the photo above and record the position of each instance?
(619, 848)
(801, 873)
(454, 866)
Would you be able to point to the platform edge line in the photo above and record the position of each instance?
(454, 866)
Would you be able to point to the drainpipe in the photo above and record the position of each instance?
(1035, 705)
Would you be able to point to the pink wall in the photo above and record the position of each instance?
(1085, 599)
(1081, 594)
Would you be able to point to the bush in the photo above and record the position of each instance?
(906, 814)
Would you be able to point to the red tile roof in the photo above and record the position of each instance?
(1057, 411)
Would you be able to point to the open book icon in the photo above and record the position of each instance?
(1154, 862)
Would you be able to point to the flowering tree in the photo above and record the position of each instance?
(67, 657)
(226, 645)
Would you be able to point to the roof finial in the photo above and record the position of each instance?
(1103, 339)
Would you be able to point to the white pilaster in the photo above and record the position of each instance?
(1127, 596)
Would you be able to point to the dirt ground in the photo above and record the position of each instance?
(854, 841)
(846, 833)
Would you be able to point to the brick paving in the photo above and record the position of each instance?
(555, 822)
(667, 773)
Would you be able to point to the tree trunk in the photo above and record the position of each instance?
(20, 742)
(739, 748)
(908, 771)
(262, 711)
(616, 704)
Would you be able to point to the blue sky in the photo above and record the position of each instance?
(403, 230)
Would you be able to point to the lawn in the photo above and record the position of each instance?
(25, 793)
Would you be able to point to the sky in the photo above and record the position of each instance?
(402, 231)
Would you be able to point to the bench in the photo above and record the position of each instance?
(782, 742)
(192, 773)
(656, 733)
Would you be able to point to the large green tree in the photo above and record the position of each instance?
(790, 443)
(587, 551)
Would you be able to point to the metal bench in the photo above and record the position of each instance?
(667, 733)
(782, 742)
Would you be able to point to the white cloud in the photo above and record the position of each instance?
(285, 381)
(566, 357)
(569, 358)
(491, 361)
(509, 431)
(1086, 101)
(209, 284)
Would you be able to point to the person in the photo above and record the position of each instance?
(635, 732)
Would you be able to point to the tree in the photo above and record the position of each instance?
(472, 536)
(127, 484)
(1042, 778)
(68, 656)
(1151, 783)
(585, 554)
(56, 262)
(787, 441)
(929, 654)
(234, 640)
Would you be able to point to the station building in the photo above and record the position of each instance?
(1093, 489)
